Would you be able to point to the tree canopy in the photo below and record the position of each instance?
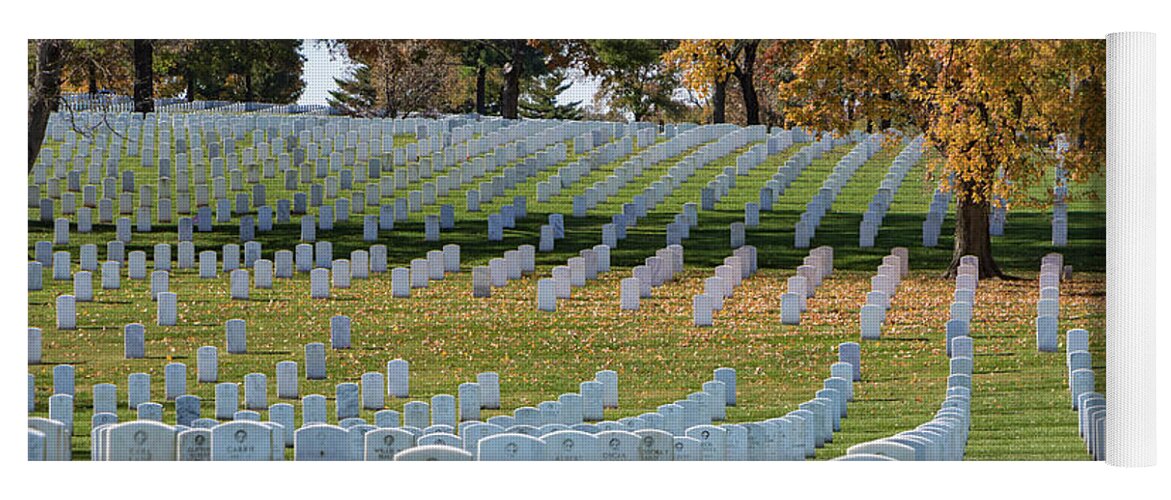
(985, 105)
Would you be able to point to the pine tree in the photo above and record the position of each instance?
(355, 95)
(540, 98)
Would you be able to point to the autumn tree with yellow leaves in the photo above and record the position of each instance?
(706, 66)
(982, 104)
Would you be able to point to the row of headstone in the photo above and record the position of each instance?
(1049, 302)
(657, 191)
(680, 228)
(963, 303)
(654, 272)
(889, 187)
(792, 168)
(233, 257)
(227, 400)
(1091, 408)
(883, 287)
(631, 168)
(345, 180)
(727, 140)
(681, 430)
(597, 153)
(794, 436)
(728, 276)
(149, 440)
(1079, 369)
(263, 148)
(504, 218)
(815, 268)
(334, 133)
(936, 213)
(806, 228)
(1060, 220)
(723, 183)
(515, 264)
(577, 272)
(945, 436)
(522, 172)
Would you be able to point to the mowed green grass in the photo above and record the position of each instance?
(1020, 407)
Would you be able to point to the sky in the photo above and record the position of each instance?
(321, 68)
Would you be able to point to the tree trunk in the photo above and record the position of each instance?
(481, 81)
(747, 87)
(391, 111)
(248, 97)
(45, 96)
(886, 122)
(719, 99)
(143, 76)
(972, 238)
(189, 75)
(510, 95)
(91, 75)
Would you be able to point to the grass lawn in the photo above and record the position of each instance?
(1020, 403)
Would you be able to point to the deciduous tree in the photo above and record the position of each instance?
(707, 64)
(983, 104)
(45, 93)
(409, 76)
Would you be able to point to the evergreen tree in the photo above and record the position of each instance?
(356, 95)
(540, 98)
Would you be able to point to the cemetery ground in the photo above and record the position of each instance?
(1020, 401)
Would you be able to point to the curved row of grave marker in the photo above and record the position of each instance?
(631, 169)
(601, 144)
(682, 430)
(815, 269)
(569, 176)
(688, 216)
(383, 223)
(577, 272)
(883, 287)
(1059, 223)
(945, 436)
(551, 289)
(325, 273)
(936, 213)
(806, 228)
(1090, 405)
(320, 281)
(887, 189)
(654, 272)
(446, 215)
(716, 289)
(334, 163)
